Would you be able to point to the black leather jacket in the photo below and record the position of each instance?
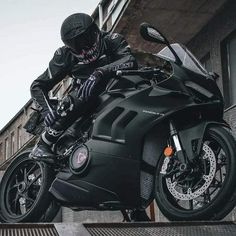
(115, 54)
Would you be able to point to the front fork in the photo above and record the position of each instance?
(177, 143)
(178, 151)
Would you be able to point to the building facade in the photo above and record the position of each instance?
(207, 27)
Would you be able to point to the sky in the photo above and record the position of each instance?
(29, 36)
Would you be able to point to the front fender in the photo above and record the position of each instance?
(191, 138)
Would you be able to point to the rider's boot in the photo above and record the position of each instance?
(42, 151)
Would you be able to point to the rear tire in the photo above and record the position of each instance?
(189, 197)
(24, 195)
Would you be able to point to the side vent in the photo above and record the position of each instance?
(103, 130)
(112, 125)
(118, 127)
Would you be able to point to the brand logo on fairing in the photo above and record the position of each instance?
(153, 113)
(81, 158)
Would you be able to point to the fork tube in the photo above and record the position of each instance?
(176, 140)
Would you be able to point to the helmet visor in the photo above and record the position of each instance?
(83, 41)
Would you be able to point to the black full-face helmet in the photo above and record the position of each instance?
(80, 33)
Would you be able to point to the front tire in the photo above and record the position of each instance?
(24, 195)
(208, 192)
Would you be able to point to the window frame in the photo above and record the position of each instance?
(19, 137)
(6, 148)
(13, 141)
(226, 69)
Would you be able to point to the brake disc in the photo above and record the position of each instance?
(175, 190)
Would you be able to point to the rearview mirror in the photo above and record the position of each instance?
(149, 33)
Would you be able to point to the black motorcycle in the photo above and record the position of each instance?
(157, 133)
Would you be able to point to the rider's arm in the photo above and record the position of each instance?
(120, 55)
(56, 72)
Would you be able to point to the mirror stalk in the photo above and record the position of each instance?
(178, 61)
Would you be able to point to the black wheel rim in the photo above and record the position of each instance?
(214, 172)
(23, 188)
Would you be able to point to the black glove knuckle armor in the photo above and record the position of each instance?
(65, 106)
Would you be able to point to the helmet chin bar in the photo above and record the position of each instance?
(91, 54)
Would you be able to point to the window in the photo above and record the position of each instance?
(111, 11)
(118, 9)
(228, 52)
(57, 90)
(19, 136)
(1, 154)
(6, 151)
(12, 143)
(66, 83)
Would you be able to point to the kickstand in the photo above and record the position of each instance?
(125, 215)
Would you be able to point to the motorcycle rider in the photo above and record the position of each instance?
(91, 57)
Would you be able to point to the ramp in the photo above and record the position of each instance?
(28, 230)
(121, 229)
(163, 229)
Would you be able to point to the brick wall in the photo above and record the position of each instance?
(15, 129)
(209, 39)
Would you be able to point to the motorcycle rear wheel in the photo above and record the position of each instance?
(24, 195)
(210, 193)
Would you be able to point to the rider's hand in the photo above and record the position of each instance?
(88, 86)
(50, 118)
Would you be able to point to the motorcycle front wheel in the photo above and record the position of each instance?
(24, 195)
(208, 190)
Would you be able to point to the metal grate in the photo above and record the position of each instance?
(146, 185)
(28, 230)
(163, 229)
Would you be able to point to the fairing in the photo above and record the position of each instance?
(133, 108)
(188, 60)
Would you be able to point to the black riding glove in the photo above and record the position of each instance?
(50, 118)
(65, 106)
(86, 90)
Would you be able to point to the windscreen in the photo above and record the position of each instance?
(188, 60)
